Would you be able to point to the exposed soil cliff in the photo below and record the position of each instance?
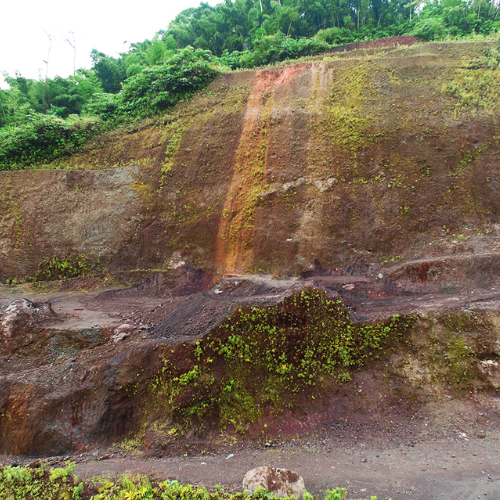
(382, 154)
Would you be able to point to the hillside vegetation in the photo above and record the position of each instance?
(47, 119)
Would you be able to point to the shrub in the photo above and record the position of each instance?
(157, 88)
(153, 90)
(44, 138)
(103, 105)
(275, 48)
(32, 484)
(57, 268)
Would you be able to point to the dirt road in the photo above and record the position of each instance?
(449, 468)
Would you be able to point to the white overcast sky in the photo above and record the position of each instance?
(107, 25)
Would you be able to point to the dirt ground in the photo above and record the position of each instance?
(448, 467)
(443, 449)
(436, 462)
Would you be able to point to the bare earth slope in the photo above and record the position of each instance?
(378, 154)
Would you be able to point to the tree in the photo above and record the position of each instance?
(110, 71)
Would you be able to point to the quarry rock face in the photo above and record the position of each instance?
(357, 175)
(280, 482)
(362, 156)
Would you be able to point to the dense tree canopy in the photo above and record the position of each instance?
(246, 33)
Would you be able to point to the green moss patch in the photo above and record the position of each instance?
(278, 357)
(457, 341)
(57, 268)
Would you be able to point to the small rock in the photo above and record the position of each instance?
(280, 482)
(349, 286)
(35, 463)
(117, 337)
(125, 328)
(490, 369)
(21, 314)
(121, 332)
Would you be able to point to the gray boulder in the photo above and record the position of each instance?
(23, 314)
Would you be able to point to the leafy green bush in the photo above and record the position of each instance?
(34, 484)
(153, 90)
(429, 29)
(274, 48)
(43, 138)
(157, 88)
(103, 105)
(455, 18)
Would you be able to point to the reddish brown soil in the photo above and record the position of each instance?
(355, 155)
(368, 437)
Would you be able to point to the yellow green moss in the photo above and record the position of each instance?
(344, 119)
(269, 356)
